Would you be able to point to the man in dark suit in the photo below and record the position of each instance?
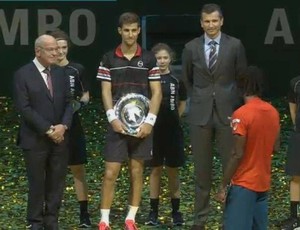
(211, 64)
(41, 93)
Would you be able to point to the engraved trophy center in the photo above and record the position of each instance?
(132, 110)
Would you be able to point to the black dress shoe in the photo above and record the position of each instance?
(34, 227)
(289, 223)
(53, 226)
(198, 227)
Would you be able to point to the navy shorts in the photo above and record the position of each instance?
(120, 148)
(168, 147)
(77, 144)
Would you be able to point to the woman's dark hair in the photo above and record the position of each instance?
(61, 35)
(163, 46)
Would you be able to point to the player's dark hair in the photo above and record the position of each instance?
(252, 81)
(129, 18)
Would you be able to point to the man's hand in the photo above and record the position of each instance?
(58, 133)
(144, 130)
(221, 194)
(118, 126)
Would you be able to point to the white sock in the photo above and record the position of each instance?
(105, 215)
(132, 212)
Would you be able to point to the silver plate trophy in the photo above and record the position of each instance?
(132, 110)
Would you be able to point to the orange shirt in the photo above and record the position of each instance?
(258, 122)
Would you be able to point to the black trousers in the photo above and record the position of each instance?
(46, 171)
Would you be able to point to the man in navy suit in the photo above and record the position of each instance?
(211, 64)
(41, 93)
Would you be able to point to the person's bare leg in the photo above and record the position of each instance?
(174, 188)
(154, 181)
(136, 168)
(293, 221)
(174, 182)
(111, 173)
(155, 178)
(295, 188)
(294, 195)
(81, 189)
(80, 183)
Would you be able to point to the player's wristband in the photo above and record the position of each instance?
(150, 119)
(111, 115)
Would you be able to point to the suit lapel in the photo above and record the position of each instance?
(201, 53)
(41, 81)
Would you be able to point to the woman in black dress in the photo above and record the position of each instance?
(293, 156)
(168, 146)
(79, 87)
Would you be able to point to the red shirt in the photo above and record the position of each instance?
(258, 122)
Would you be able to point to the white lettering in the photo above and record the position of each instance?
(44, 24)
(172, 96)
(19, 21)
(90, 27)
(82, 25)
(279, 17)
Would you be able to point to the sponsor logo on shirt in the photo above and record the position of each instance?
(140, 64)
(234, 123)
